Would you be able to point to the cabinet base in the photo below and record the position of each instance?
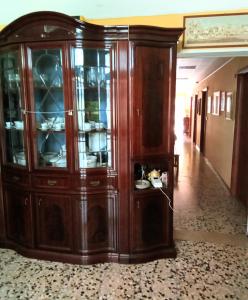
(90, 259)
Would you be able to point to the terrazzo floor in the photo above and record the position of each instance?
(207, 266)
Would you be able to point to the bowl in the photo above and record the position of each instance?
(142, 184)
(50, 157)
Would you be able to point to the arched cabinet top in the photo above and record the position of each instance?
(53, 26)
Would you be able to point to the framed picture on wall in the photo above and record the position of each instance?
(219, 30)
(209, 106)
(216, 104)
(222, 101)
(229, 105)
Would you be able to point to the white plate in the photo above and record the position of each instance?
(142, 184)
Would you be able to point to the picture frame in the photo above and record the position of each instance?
(217, 30)
(222, 101)
(216, 104)
(229, 106)
(209, 105)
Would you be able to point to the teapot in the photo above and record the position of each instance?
(153, 173)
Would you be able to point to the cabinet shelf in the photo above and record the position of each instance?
(42, 87)
(14, 128)
(94, 131)
(51, 130)
(150, 190)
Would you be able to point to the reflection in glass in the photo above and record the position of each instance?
(92, 86)
(12, 108)
(49, 107)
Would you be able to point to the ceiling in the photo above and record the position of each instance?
(98, 9)
(191, 71)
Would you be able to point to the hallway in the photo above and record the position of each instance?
(203, 203)
(212, 261)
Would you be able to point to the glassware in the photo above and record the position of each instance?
(49, 108)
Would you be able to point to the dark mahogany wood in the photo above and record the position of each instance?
(150, 219)
(96, 219)
(53, 214)
(151, 101)
(18, 216)
(94, 215)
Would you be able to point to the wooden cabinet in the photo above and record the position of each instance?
(96, 221)
(150, 219)
(84, 109)
(53, 222)
(18, 216)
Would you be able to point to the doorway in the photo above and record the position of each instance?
(239, 183)
(203, 121)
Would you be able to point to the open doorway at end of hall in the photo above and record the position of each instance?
(199, 116)
(182, 121)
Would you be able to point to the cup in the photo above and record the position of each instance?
(92, 76)
(87, 126)
(99, 125)
(44, 126)
(18, 124)
(57, 126)
(8, 124)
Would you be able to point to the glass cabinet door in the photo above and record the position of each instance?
(92, 90)
(13, 124)
(49, 107)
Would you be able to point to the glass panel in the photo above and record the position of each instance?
(49, 107)
(12, 108)
(92, 72)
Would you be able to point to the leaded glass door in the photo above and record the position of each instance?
(49, 107)
(13, 122)
(92, 69)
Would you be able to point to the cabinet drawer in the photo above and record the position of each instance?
(21, 179)
(58, 182)
(95, 182)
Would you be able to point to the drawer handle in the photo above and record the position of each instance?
(16, 178)
(95, 182)
(51, 182)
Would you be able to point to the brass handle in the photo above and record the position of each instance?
(26, 202)
(39, 202)
(16, 178)
(95, 183)
(51, 182)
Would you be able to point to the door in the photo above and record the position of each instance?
(150, 222)
(239, 183)
(195, 119)
(153, 107)
(12, 104)
(53, 222)
(203, 121)
(19, 216)
(96, 223)
(91, 70)
(49, 106)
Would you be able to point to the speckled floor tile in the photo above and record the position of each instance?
(201, 271)
(201, 200)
